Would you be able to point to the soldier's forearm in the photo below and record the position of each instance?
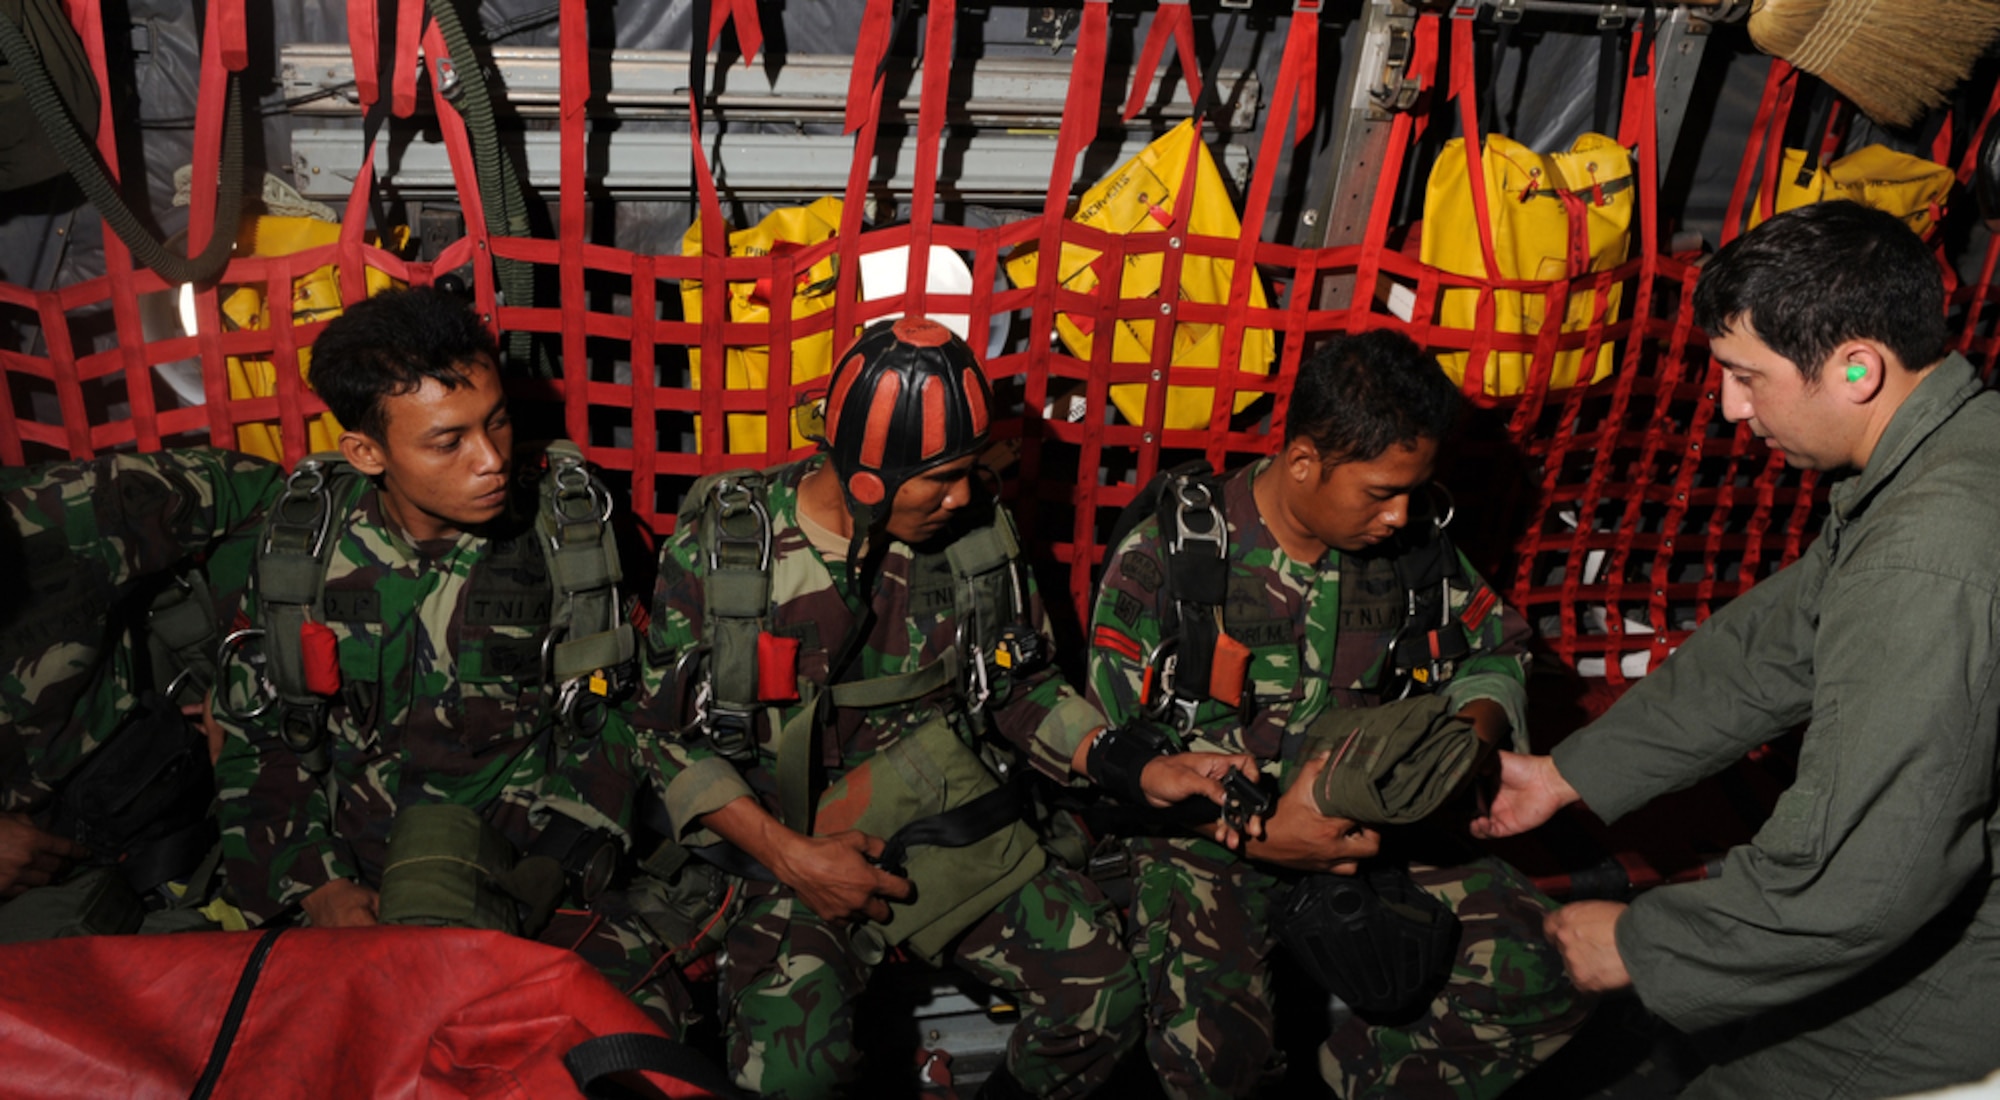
(750, 827)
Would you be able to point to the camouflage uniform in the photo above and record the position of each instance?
(440, 653)
(1199, 921)
(789, 979)
(81, 538)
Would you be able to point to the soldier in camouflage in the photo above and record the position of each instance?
(1312, 593)
(84, 545)
(438, 597)
(862, 594)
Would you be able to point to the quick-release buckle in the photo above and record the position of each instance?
(734, 501)
(307, 484)
(1193, 498)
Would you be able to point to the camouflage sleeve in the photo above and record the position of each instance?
(1043, 715)
(1498, 667)
(1125, 624)
(277, 839)
(692, 778)
(134, 515)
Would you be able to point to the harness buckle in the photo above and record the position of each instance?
(1193, 499)
(306, 484)
(733, 501)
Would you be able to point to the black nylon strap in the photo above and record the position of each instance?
(593, 1060)
(239, 1003)
(954, 828)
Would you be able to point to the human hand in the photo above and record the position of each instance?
(1176, 777)
(202, 716)
(343, 903)
(1531, 791)
(834, 876)
(1300, 837)
(30, 857)
(1585, 933)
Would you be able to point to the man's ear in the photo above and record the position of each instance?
(1859, 368)
(364, 453)
(1302, 460)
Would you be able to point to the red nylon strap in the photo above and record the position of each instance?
(87, 17)
(938, 29)
(364, 41)
(1298, 71)
(715, 294)
(1079, 127)
(877, 23)
(411, 30)
(864, 101)
(1774, 104)
(749, 32)
(458, 146)
(1403, 129)
(1173, 19)
(208, 124)
(1968, 163)
(1465, 88)
(573, 35)
(233, 42)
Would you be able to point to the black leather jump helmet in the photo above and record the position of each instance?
(908, 396)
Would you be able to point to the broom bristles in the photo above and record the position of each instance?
(1893, 58)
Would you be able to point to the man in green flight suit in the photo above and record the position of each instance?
(416, 610)
(847, 664)
(1852, 947)
(1311, 614)
(86, 547)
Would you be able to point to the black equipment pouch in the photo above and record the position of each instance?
(1376, 940)
(141, 801)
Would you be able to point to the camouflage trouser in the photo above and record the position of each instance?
(1506, 1007)
(1201, 936)
(623, 949)
(789, 982)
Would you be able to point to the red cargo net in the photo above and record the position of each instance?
(1615, 515)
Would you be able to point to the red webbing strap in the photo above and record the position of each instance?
(1465, 89)
(645, 396)
(1078, 129)
(1775, 103)
(878, 21)
(365, 43)
(1970, 161)
(1403, 129)
(87, 17)
(1298, 71)
(1165, 315)
(458, 146)
(864, 115)
(210, 106)
(930, 131)
(749, 32)
(714, 438)
(411, 32)
(573, 36)
(1173, 19)
(786, 265)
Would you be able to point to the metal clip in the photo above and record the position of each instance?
(228, 650)
(306, 483)
(732, 500)
(977, 687)
(1192, 496)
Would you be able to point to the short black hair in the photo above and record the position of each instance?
(1357, 396)
(1815, 276)
(386, 346)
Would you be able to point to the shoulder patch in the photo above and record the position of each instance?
(1127, 608)
(1143, 571)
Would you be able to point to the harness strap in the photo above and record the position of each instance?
(591, 642)
(181, 629)
(905, 687)
(299, 533)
